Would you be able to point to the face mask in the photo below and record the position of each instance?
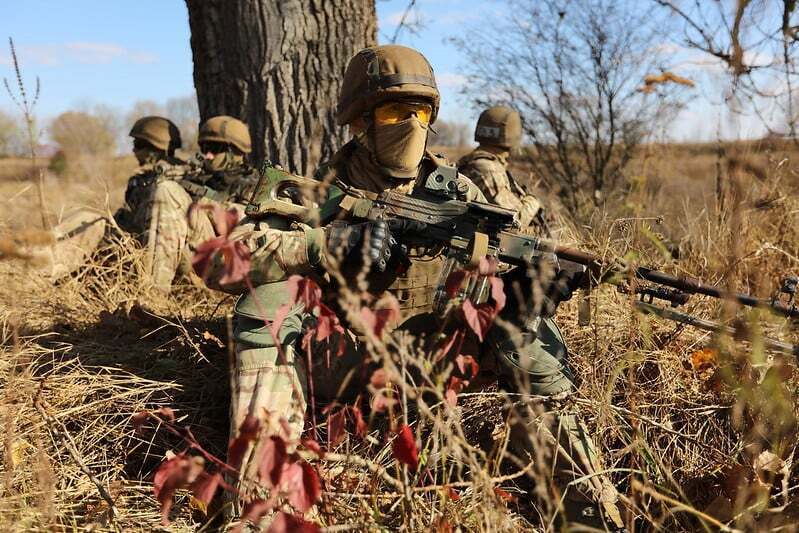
(399, 147)
(222, 161)
(145, 156)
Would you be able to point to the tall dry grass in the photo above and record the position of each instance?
(698, 431)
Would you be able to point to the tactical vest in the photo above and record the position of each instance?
(415, 287)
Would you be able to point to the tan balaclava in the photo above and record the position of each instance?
(230, 137)
(385, 75)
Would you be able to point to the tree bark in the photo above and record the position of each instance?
(278, 65)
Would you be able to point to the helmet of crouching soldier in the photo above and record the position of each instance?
(159, 132)
(499, 126)
(225, 141)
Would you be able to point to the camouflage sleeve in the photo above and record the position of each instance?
(489, 176)
(274, 253)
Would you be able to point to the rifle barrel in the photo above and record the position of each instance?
(689, 285)
(707, 325)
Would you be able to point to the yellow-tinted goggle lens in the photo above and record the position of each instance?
(394, 112)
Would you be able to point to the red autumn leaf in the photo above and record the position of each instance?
(305, 290)
(205, 252)
(442, 525)
(378, 379)
(235, 254)
(172, 475)
(361, 428)
(467, 365)
(454, 386)
(454, 281)
(138, 420)
(386, 312)
(479, 317)
(237, 262)
(487, 266)
(255, 510)
(404, 448)
(449, 344)
(277, 323)
(272, 459)
(168, 413)
(302, 485)
(249, 427)
(315, 447)
(204, 487)
(453, 494)
(504, 495)
(451, 397)
(497, 293)
(289, 523)
(335, 427)
(326, 323)
(248, 430)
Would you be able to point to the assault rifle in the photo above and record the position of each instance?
(470, 230)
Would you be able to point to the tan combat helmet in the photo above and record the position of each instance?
(228, 130)
(384, 73)
(158, 131)
(499, 126)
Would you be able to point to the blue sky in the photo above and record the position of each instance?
(114, 53)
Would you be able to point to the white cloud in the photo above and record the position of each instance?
(84, 52)
(414, 17)
(450, 80)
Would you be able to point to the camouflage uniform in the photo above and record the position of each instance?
(271, 379)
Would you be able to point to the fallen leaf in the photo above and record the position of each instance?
(288, 523)
(704, 359)
(335, 427)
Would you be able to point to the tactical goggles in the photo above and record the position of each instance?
(394, 112)
(214, 147)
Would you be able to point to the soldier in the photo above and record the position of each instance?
(388, 99)
(498, 131)
(225, 179)
(535, 337)
(80, 234)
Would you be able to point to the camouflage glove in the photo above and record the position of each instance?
(559, 279)
(369, 243)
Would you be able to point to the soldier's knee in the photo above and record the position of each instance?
(535, 363)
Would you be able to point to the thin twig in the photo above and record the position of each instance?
(60, 431)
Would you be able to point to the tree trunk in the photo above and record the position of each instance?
(278, 65)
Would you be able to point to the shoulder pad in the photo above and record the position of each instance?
(281, 193)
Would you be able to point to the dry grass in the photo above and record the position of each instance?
(676, 432)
